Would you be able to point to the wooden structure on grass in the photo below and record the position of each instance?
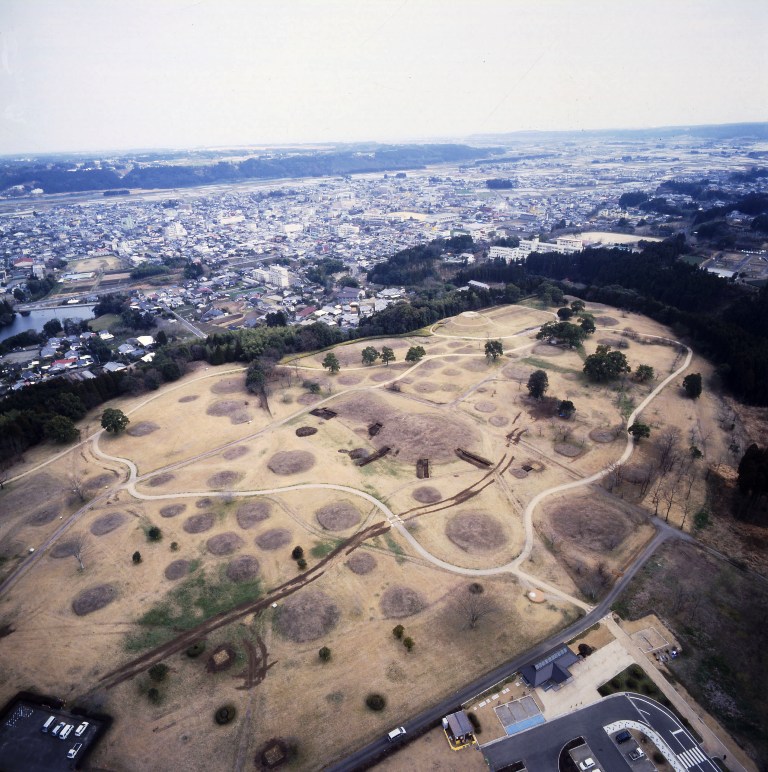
(473, 458)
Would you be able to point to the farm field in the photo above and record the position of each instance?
(235, 486)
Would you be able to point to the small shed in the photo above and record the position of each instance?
(458, 730)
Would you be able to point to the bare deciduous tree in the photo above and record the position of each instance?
(666, 446)
(79, 548)
(472, 607)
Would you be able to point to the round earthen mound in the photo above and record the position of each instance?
(224, 543)
(361, 563)
(384, 375)
(224, 479)
(189, 398)
(398, 602)
(225, 407)
(238, 451)
(606, 321)
(474, 365)
(521, 474)
(476, 532)
(306, 431)
(308, 399)
(107, 523)
(568, 449)
(100, 481)
(222, 658)
(252, 512)
(64, 549)
(636, 473)
(426, 494)
(517, 372)
(243, 568)
(160, 479)
(452, 372)
(307, 616)
(205, 503)
(177, 569)
(338, 516)
(273, 539)
(545, 350)
(602, 435)
(498, 420)
(93, 599)
(426, 387)
(198, 523)
(287, 462)
(44, 515)
(142, 429)
(612, 342)
(228, 386)
(485, 406)
(348, 380)
(590, 524)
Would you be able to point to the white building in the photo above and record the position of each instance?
(274, 276)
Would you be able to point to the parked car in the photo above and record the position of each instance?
(396, 733)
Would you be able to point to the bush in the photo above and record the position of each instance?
(158, 672)
(196, 649)
(301, 563)
(225, 714)
(136, 557)
(398, 631)
(585, 649)
(375, 702)
(409, 643)
(154, 533)
(632, 684)
(174, 546)
(298, 552)
(476, 588)
(324, 654)
(658, 757)
(153, 695)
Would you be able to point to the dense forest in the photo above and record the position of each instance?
(63, 178)
(414, 266)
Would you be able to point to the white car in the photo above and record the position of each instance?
(588, 763)
(396, 733)
(74, 750)
(79, 731)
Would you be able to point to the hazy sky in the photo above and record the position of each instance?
(107, 74)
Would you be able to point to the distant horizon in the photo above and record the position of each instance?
(444, 139)
(107, 74)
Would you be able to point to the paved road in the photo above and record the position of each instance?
(540, 747)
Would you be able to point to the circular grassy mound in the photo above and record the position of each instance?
(361, 563)
(198, 523)
(426, 494)
(93, 599)
(476, 532)
(44, 515)
(189, 398)
(243, 568)
(398, 602)
(273, 539)
(306, 431)
(252, 512)
(177, 569)
(172, 510)
(224, 543)
(142, 429)
(338, 516)
(307, 616)
(225, 479)
(238, 451)
(287, 462)
(160, 479)
(106, 523)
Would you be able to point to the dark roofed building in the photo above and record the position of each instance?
(551, 669)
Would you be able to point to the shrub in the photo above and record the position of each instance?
(585, 649)
(301, 563)
(174, 546)
(632, 684)
(298, 552)
(158, 672)
(153, 695)
(136, 557)
(476, 588)
(409, 643)
(658, 757)
(196, 649)
(398, 631)
(375, 702)
(154, 533)
(225, 714)
(324, 654)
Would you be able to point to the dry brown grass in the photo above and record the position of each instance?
(142, 429)
(485, 406)
(307, 616)
(64, 549)
(242, 568)
(590, 524)
(287, 462)
(107, 523)
(93, 599)
(498, 420)
(172, 510)
(198, 523)
(603, 435)
(338, 516)
(273, 539)
(398, 602)
(234, 409)
(44, 515)
(361, 563)
(99, 481)
(252, 512)
(228, 386)
(348, 380)
(177, 569)
(476, 532)
(606, 321)
(569, 449)
(224, 543)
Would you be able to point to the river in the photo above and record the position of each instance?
(37, 319)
